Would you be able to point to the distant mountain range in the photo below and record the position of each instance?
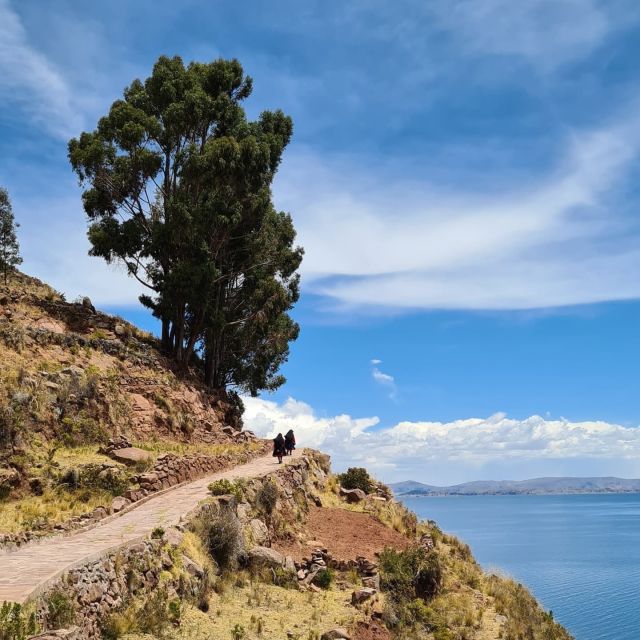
(535, 486)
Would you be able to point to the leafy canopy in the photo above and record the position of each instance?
(9, 246)
(178, 188)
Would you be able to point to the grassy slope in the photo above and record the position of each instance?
(60, 400)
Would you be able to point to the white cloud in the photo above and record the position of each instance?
(443, 453)
(29, 79)
(375, 361)
(375, 240)
(385, 380)
(546, 33)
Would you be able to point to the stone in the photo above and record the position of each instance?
(72, 633)
(87, 304)
(362, 595)
(289, 564)
(302, 574)
(259, 532)
(353, 495)
(93, 594)
(120, 330)
(335, 634)
(173, 537)
(192, 567)
(266, 557)
(130, 455)
(119, 503)
(371, 581)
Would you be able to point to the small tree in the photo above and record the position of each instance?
(9, 247)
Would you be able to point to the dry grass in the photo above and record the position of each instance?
(52, 507)
(265, 612)
(242, 451)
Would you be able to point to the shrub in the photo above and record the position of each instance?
(157, 533)
(93, 476)
(152, 616)
(81, 429)
(267, 497)
(12, 335)
(15, 623)
(238, 632)
(221, 534)
(226, 487)
(410, 574)
(356, 478)
(61, 611)
(324, 578)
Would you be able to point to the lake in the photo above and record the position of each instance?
(580, 554)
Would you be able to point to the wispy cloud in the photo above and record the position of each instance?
(383, 379)
(456, 451)
(31, 81)
(378, 240)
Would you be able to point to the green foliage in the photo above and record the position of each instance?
(225, 487)
(324, 578)
(94, 476)
(15, 623)
(410, 574)
(157, 533)
(238, 632)
(61, 611)
(356, 478)
(221, 534)
(154, 615)
(9, 247)
(267, 497)
(12, 335)
(178, 188)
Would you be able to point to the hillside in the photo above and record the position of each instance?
(162, 518)
(76, 385)
(534, 486)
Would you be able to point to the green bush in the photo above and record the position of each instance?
(324, 578)
(15, 623)
(221, 534)
(226, 487)
(91, 476)
(410, 574)
(61, 611)
(356, 478)
(267, 497)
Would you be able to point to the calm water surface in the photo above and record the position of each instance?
(580, 555)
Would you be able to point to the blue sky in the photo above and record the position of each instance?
(463, 177)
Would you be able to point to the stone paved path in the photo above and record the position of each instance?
(26, 569)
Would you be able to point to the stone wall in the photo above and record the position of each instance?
(103, 586)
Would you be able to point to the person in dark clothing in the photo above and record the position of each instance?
(279, 449)
(289, 442)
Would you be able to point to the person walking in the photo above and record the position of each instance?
(289, 442)
(279, 449)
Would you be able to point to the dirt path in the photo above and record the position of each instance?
(28, 568)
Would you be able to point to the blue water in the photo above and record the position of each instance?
(580, 555)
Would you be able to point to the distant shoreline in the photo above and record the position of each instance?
(534, 486)
(518, 493)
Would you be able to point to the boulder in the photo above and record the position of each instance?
(371, 581)
(265, 556)
(192, 567)
(87, 304)
(362, 595)
(335, 634)
(173, 537)
(353, 495)
(259, 532)
(119, 503)
(72, 633)
(130, 455)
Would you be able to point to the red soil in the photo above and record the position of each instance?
(346, 534)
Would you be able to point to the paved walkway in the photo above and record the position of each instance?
(26, 569)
